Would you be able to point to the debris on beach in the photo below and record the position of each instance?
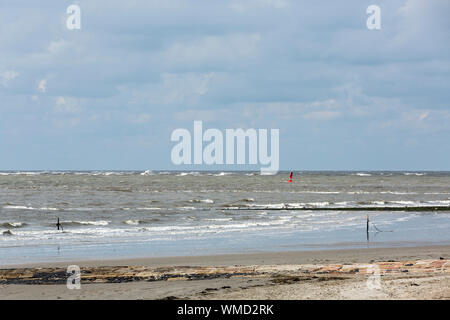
(121, 274)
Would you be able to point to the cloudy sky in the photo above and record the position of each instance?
(109, 95)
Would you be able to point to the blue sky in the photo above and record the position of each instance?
(109, 95)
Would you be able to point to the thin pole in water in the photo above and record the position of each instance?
(59, 225)
(367, 225)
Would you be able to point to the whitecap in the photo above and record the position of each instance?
(362, 174)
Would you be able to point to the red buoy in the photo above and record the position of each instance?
(290, 177)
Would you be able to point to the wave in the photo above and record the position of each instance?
(347, 205)
(287, 205)
(438, 202)
(435, 193)
(82, 223)
(222, 174)
(397, 192)
(268, 173)
(404, 202)
(19, 207)
(201, 201)
(27, 173)
(134, 222)
(187, 208)
(219, 219)
(413, 174)
(193, 173)
(362, 174)
(147, 173)
(13, 224)
(102, 173)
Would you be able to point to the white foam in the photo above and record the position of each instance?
(404, 202)
(266, 206)
(94, 223)
(321, 192)
(202, 200)
(12, 224)
(439, 202)
(267, 173)
(193, 173)
(343, 203)
(18, 207)
(223, 174)
(187, 208)
(318, 204)
(397, 192)
(132, 222)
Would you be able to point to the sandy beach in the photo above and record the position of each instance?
(404, 273)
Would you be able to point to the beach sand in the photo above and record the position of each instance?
(405, 273)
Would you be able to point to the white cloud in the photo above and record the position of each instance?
(58, 46)
(287, 110)
(243, 6)
(321, 115)
(67, 105)
(173, 89)
(205, 114)
(184, 88)
(419, 120)
(232, 47)
(7, 76)
(314, 110)
(42, 87)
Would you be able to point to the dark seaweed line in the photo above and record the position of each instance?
(61, 278)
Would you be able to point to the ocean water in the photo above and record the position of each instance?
(131, 214)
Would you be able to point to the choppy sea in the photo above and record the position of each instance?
(130, 214)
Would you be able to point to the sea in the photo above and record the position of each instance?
(139, 214)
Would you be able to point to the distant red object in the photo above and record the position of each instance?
(290, 177)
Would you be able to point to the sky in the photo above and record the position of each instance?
(108, 96)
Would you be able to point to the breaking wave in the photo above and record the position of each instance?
(13, 224)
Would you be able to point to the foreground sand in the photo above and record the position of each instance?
(405, 273)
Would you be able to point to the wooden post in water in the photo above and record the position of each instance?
(367, 224)
(59, 225)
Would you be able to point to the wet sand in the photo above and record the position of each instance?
(405, 273)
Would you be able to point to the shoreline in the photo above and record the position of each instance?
(354, 255)
(406, 273)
